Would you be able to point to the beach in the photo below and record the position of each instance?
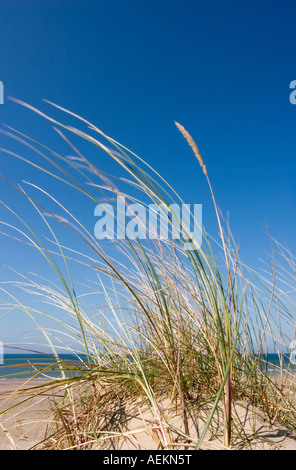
(23, 427)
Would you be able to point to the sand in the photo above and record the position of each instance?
(23, 427)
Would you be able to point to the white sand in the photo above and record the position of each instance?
(25, 425)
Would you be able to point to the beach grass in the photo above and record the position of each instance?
(177, 346)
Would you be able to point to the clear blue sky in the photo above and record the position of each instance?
(221, 68)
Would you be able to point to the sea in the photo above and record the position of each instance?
(44, 366)
(41, 366)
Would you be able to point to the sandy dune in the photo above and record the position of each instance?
(24, 426)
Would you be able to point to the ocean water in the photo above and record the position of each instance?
(17, 366)
(40, 366)
(273, 363)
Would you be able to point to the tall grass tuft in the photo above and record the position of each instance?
(176, 343)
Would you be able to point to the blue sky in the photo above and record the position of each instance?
(221, 68)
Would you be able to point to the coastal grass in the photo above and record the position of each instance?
(177, 343)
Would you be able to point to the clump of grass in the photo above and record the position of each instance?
(177, 344)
